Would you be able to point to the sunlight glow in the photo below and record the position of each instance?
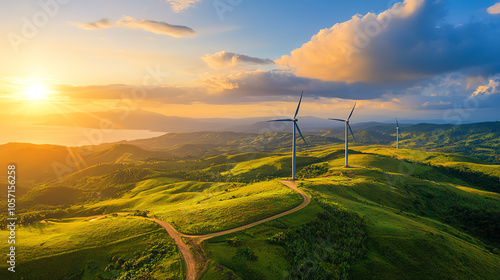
(36, 92)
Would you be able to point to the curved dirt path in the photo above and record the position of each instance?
(186, 254)
(290, 184)
(195, 240)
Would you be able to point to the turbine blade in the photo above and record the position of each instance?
(300, 133)
(352, 111)
(348, 125)
(337, 120)
(298, 106)
(397, 124)
(281, 120)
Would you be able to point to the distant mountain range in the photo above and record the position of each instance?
(38, 163)
(145, 120)
(481, 140)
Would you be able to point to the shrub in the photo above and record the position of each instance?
(313, 170)
(247, 254)
(141, 213)
(235, 242)
(277, 239)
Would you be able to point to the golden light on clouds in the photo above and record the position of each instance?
(350, 51)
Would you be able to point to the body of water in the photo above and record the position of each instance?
(70, 136)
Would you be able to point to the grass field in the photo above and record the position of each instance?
(82, 248)
(415, 226)
(409, 215)
(271, 259)
(204, 207)
(405, 245)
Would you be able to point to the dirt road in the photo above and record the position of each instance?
(187, 255)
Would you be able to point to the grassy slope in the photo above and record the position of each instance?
(61, 248)
(271, 259)
(203, 207)
(403, 245)
(272, 166)
(408, 218)
(407, 238)
(434, 158)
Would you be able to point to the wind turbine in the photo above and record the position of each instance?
(294, 120)
(397, 134)
(347, 129)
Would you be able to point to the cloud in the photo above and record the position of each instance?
(244, 86)
(226, 60)
(489, 89)
(495, 9)
(100, 24)
(437, 105)
(409, 41)
(180, 5)
(431, 95)
(231, 88)
(156, 27)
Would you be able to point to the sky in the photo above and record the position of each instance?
(416, 60)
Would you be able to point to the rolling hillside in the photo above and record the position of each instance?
(397, 214)
(42, 163)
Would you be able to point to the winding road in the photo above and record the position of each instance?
(194, 240)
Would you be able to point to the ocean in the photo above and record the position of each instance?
(69, 136)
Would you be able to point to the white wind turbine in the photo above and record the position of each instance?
(397, 134)
(295, 128)
(347, 129)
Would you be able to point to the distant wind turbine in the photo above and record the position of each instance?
(347, 129)
(295, 128)
(397, 134)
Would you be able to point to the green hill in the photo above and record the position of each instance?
(123, 153)
(52, 196)
(416, 228)
(94, 249)
(397, 214)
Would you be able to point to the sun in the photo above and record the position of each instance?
(36, 92)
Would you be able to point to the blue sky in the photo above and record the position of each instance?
(416, 59)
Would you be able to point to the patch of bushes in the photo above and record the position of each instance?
(247, 254)
(142, 265)
(277, 239)
(234, 242)
(325, 248)
(141, 213)
(313, 170)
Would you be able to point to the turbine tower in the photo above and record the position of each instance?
(347, 129)
(294, 120)
(397, 134)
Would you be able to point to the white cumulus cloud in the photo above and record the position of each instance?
(409, 41)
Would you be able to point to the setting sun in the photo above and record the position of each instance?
(36, 92)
